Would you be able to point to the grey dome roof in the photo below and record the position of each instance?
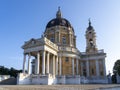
(90, 27)
(58, 22)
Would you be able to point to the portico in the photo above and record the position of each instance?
(47, 60)
(42, 55)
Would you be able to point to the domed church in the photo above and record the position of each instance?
(55, 59)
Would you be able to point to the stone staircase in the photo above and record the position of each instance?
(9, 81)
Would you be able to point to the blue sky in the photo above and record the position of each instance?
(21, 20)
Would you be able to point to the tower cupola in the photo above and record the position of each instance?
(89, 27)
(90, 39)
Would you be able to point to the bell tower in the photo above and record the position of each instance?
(90, 39)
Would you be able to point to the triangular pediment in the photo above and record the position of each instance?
(32, 43)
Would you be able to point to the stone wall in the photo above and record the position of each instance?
(52, 79)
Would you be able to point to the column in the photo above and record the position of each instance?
(97, 68)
(48, 56)
(73, 66)
(24, 60)
(29, 63)
(82, 68)
(59, 36)
(57, 65)
(60, 67)
(43, 62)
(53, 64)
(70, 39)
(104, 67)
(87, 67)
(38, 62)
(77, 66)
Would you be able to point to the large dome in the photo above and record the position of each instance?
(58, 21)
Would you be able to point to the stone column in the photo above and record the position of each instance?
(57, 65)
(53, 64)
(97, 68)
(77, 66)
(73, 66)
(60, 67)
(70, 39)
(29, 63)
(38, 63)
(59, 36)
(104, 67)
(48, 56)
(82, 68)
(43, 62)
(24, 60)
(87, 67)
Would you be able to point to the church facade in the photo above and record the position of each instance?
(55, 59)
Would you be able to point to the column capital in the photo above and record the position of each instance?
(29, 54)
(24, 53)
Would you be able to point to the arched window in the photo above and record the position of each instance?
(67, 59)
(64, 40)
(52, 39)
(91, 42)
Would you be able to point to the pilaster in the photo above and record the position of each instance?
(60, 67)
(73, 66)
(57, 65)
(87, 67)
(97, 68)
(104, 67)
(77, 66)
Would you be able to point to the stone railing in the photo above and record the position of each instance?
(48, 42)
(69, 49)
(98, 52)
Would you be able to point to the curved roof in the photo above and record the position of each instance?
(90, 27)
(58, 21)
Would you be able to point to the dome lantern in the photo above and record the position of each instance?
(58, 14)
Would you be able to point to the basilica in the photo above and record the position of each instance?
(54, 58)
